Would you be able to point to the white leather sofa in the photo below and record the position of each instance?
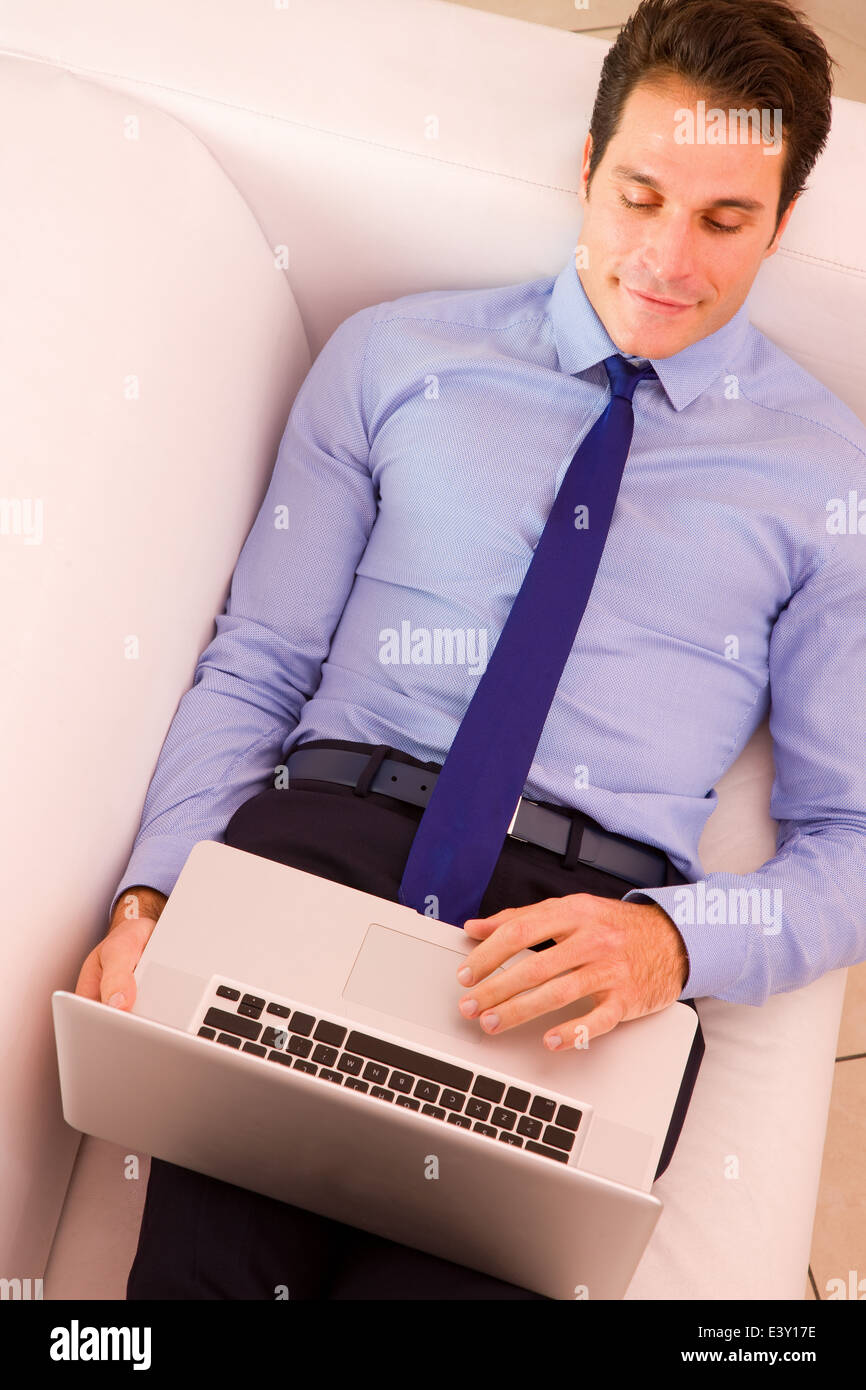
(193, 200)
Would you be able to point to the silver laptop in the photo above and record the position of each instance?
(301, 1038)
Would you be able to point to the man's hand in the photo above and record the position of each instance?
(629, 956)
(106, 974)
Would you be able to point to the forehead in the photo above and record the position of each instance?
(650, 140)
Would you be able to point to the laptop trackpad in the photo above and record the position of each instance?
(412, 979)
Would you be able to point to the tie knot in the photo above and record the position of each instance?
(624, 376)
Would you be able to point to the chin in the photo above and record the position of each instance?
(638, 344)
(644, 344)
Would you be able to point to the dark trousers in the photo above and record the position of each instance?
(204, 1239)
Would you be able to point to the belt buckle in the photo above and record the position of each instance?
(520, 802)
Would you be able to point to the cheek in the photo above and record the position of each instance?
(618, 242)
(729, 274)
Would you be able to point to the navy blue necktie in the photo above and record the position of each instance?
(462, 831)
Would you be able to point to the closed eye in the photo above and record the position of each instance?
(716, 226)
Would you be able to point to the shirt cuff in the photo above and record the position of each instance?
(717, 955)
(156, 862)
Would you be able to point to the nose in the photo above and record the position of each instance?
(669, 255)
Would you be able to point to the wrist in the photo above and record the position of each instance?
(680, 965)
(138, 901)
(683, 965)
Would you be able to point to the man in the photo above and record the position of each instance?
(418, 467)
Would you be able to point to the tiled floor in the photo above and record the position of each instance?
(839, 1236)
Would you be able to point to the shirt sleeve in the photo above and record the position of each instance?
(804, 911)
(290, 585)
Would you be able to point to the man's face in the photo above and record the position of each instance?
(704, 222)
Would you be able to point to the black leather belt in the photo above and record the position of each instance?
(640, 865)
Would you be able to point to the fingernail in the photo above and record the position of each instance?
(465, 975)
(490, 1022)
(469, 1008)
(117, 1000)
(553, 1041)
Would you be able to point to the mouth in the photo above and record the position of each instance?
(668, 307)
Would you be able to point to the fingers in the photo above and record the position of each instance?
(89, 977)
(121, 951)
(549, 996)
(479, 928)
(523, 975)
(513, 929)
(620, 954)
(117, 986)
(577, 1032)
(107, 974)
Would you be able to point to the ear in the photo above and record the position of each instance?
(584, 172)
(786, 215)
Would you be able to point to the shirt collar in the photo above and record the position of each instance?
(582, 340)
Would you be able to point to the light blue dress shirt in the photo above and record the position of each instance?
(413, 480)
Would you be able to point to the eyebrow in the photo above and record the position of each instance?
(635, 176)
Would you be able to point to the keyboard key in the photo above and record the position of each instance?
(409, 1102)
(280, 1057)
(354, 1083)
(452, 1100)
(254, 1049)
(434, 1110)
(326, 1055)
(250, 1010)
(528, 1127)
(330, 1033)
(207, 1032)
(230, 1023)
(478, 1109)
(425, 1090)
(488, 1088)
(504, 1119)
(401, 1081)
(380, 1093)
(331, 1075)
(406, 1059)
(479, 1128)
(275, 1037)
(301, 1023)
(300, 1046)
(542, 1108)
(462, 1120)
(229, 1039)
(278, 1010)
(252, 1001)
(532, 1147)
(374, 1071)
(350, 1063)
(226, 992)
(559, 1138)
(300, 1065)
(568, 1117)
(516, 1099)
(511, 1139)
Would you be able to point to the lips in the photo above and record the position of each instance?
(662, 306)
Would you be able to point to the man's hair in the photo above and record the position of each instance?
(734, 53)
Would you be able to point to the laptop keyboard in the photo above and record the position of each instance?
(278, 1031)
